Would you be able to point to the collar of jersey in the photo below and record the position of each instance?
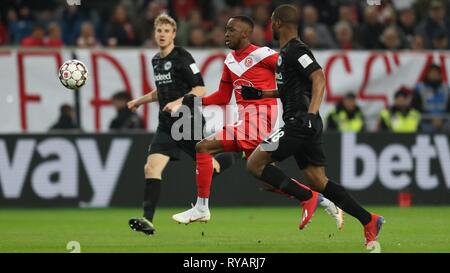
(246, 51)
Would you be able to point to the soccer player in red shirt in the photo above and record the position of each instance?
(246, 66)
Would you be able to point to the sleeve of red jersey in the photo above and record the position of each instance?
(271, 62)
(223, 95)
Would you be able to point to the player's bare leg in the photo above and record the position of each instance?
(156, 163)
(260, 164)
(318, 180)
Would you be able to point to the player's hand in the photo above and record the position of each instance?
(188, 100)
(312, 124)
(250, 93)
(172, 107)
(133, 105)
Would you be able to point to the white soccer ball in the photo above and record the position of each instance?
(73, 74)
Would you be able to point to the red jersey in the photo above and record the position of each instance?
(254, 66)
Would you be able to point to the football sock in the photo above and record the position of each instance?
(204, 174)
(151, 197)
(275, 177)
(341, 198)
(202, 204)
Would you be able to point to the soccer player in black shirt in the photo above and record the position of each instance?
(176, 74)
(301, 83)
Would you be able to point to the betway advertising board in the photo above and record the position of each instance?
(103, 170)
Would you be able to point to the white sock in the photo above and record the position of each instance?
(202, 204)
(325, 202)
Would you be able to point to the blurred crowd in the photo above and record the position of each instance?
(425, 108)
(324, 24)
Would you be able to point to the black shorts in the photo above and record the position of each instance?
(164, 143)
(307, 150)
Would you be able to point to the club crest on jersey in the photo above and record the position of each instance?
(248, 62)
(279, 60)
(168, 65)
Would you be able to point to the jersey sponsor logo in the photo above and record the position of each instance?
(168, 65)
(237, 85)
(305, 60)
(163, 77)
(194, 68)
(256, 56)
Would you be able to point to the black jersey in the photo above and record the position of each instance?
(294, 66)
(175, 75)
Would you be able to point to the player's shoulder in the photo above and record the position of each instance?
(296, 45)
(264, 52)
(181, 52)
(156, 57)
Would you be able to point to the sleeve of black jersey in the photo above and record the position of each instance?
(304, 60)
(190, 71)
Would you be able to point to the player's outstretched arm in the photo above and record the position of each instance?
(220, 97)
(197, 91)
(152, 96)
(252, 93)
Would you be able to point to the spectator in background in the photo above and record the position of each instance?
(194, 21)
(387, 16)
(371, 29)
(407, 23)
(125, 119)
(310, 38)
(66, 120)
(87, 36)
(20, 25)
(261, 16)
(417, 43)
(3, 33)
(347, 116)
(348, 12)
(71, 21)
(400, 117)
(145, 22)
(440, 40)
(217, 37)
(120, 31)
(197, 38)
(435, 22)
(36, 38)
(344, 36)
(54, 36)
(323, 35)
(258, 36)
(432, 99)
(390, 39)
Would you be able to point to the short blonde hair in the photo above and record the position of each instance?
(163, 18)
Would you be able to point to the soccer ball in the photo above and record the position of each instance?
(73, 74)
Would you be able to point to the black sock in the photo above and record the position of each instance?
(275, 177)
(341, 198)
(225, 161)
(151, 197)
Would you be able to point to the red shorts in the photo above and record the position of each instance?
(247, 133)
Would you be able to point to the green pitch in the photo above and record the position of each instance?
(418, 229)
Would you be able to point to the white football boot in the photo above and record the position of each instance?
(192, 215)
(334, 211)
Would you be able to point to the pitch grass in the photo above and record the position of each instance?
(418, 229)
